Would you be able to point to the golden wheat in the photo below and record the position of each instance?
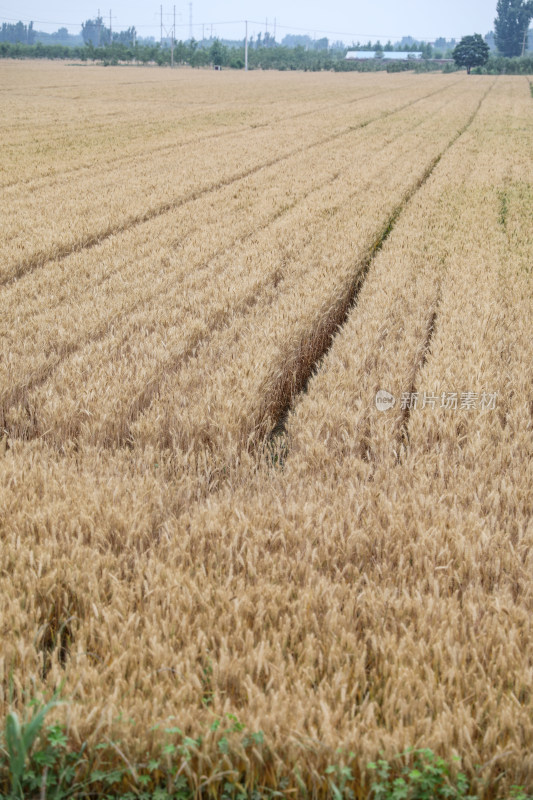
(360, 579)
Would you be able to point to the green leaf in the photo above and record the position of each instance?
(31, 729)
(335, 791)
(97, 775)
(56, 736)
(188, 742)
(16, 751)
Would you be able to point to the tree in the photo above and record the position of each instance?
(126, 37)
(511, 25)
(472, 51)
(217, 53)
(17, 33)
(321, 44)
(95, 32)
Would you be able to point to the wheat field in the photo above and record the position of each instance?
(205, 280)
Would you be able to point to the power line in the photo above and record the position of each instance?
(344, 34)
(154, 26)
(39, 21)
(348, 33)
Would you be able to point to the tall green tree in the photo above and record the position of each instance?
(13, 33)
(216, 53)
(511, 25)
(95, 32)
(472, 51)
(125, 37)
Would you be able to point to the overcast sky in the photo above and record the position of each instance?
(338, 19)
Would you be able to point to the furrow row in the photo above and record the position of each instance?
(173, 145)
(36, 237)
(51, 315)
(268, 357)
(160, 325)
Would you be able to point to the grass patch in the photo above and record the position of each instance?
(37, 761)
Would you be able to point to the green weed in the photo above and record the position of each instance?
(37, 761)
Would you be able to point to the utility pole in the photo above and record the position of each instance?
(274, 28)
(525, 39)
(99, 26)
(161, 40)
(110, 28)
(203, 31)
(190, 22)
(173, 38)
(246, 48)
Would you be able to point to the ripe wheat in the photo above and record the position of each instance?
(202, 511)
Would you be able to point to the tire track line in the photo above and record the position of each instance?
(123, 161)
(23, 315)
(30, 265)
(39, 377)
(144, 400)
(19, 392)
(292, 386)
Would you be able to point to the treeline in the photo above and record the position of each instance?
(278, 58)
(17, 32)
(501, 65)
(191, 53)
